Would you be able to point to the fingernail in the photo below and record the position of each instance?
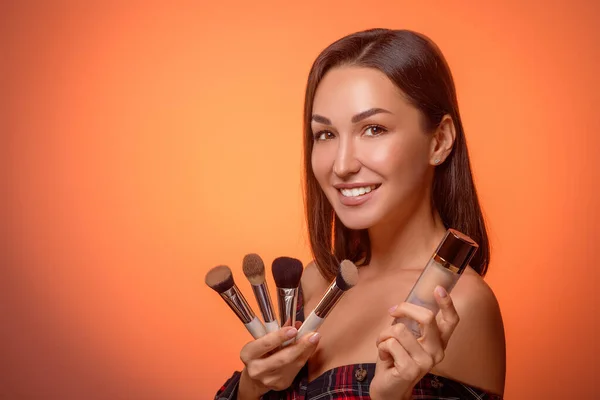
(314, 338)
(291, 333)
(441, 291)
(393, 308)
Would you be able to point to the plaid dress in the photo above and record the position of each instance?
(351, 382)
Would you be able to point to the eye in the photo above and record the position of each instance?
(323, 135)
(375, 130)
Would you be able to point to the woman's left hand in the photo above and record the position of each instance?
(403, 359)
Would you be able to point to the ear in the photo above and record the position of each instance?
(442, 141)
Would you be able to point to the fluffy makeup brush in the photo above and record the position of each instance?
(345, 280)
(220, 279)
(254, 269)
(287, 272)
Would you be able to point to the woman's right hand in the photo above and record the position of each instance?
(267, 370)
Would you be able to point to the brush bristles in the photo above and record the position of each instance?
(220, 278)
(287, 272)
(347, 276)
(254, 269)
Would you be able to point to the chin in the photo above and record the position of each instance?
(355, 219)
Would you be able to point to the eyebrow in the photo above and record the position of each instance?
(357, 118)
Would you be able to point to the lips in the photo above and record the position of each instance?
(356, 194)
(357, 191)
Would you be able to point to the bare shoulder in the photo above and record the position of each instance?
(312, 282)
(473, 296)
(476, 352)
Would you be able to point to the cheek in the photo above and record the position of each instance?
(399, 159)
(320, 163)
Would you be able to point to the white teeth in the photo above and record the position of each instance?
(355, 192)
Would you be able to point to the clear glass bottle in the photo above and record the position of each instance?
(447, 264)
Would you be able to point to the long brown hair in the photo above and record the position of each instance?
(416, 65)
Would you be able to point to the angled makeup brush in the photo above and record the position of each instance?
(287, 272)
(254, 269)
(345, 280)
(220, 279)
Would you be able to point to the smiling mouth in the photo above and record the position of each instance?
(358, 191)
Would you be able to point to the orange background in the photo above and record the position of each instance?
(143, 144)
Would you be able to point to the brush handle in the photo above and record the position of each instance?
(256, 328)
(287, 300)
(263, 299)
(311, 324)
(272, 326)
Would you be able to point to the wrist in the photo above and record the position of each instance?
(247, 388)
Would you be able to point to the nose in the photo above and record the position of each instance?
(346, 163)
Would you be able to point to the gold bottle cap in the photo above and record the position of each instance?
(456, 250)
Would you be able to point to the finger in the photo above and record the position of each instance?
(305, 346)
(384, 354)
(449, 318)
(423, 316)
(430, 339)
(298, 352)
(298, 324)
(385, 335)
(406, 367)
(260, 347)
(416, 348)
(404, 321)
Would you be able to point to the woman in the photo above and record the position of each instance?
(387, 172)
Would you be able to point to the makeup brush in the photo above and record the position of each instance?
(254, 269)
(345, 280)
(287, 272)
(220, 279)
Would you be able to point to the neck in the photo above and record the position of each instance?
(409, 241)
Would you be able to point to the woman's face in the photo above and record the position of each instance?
(371, 155)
